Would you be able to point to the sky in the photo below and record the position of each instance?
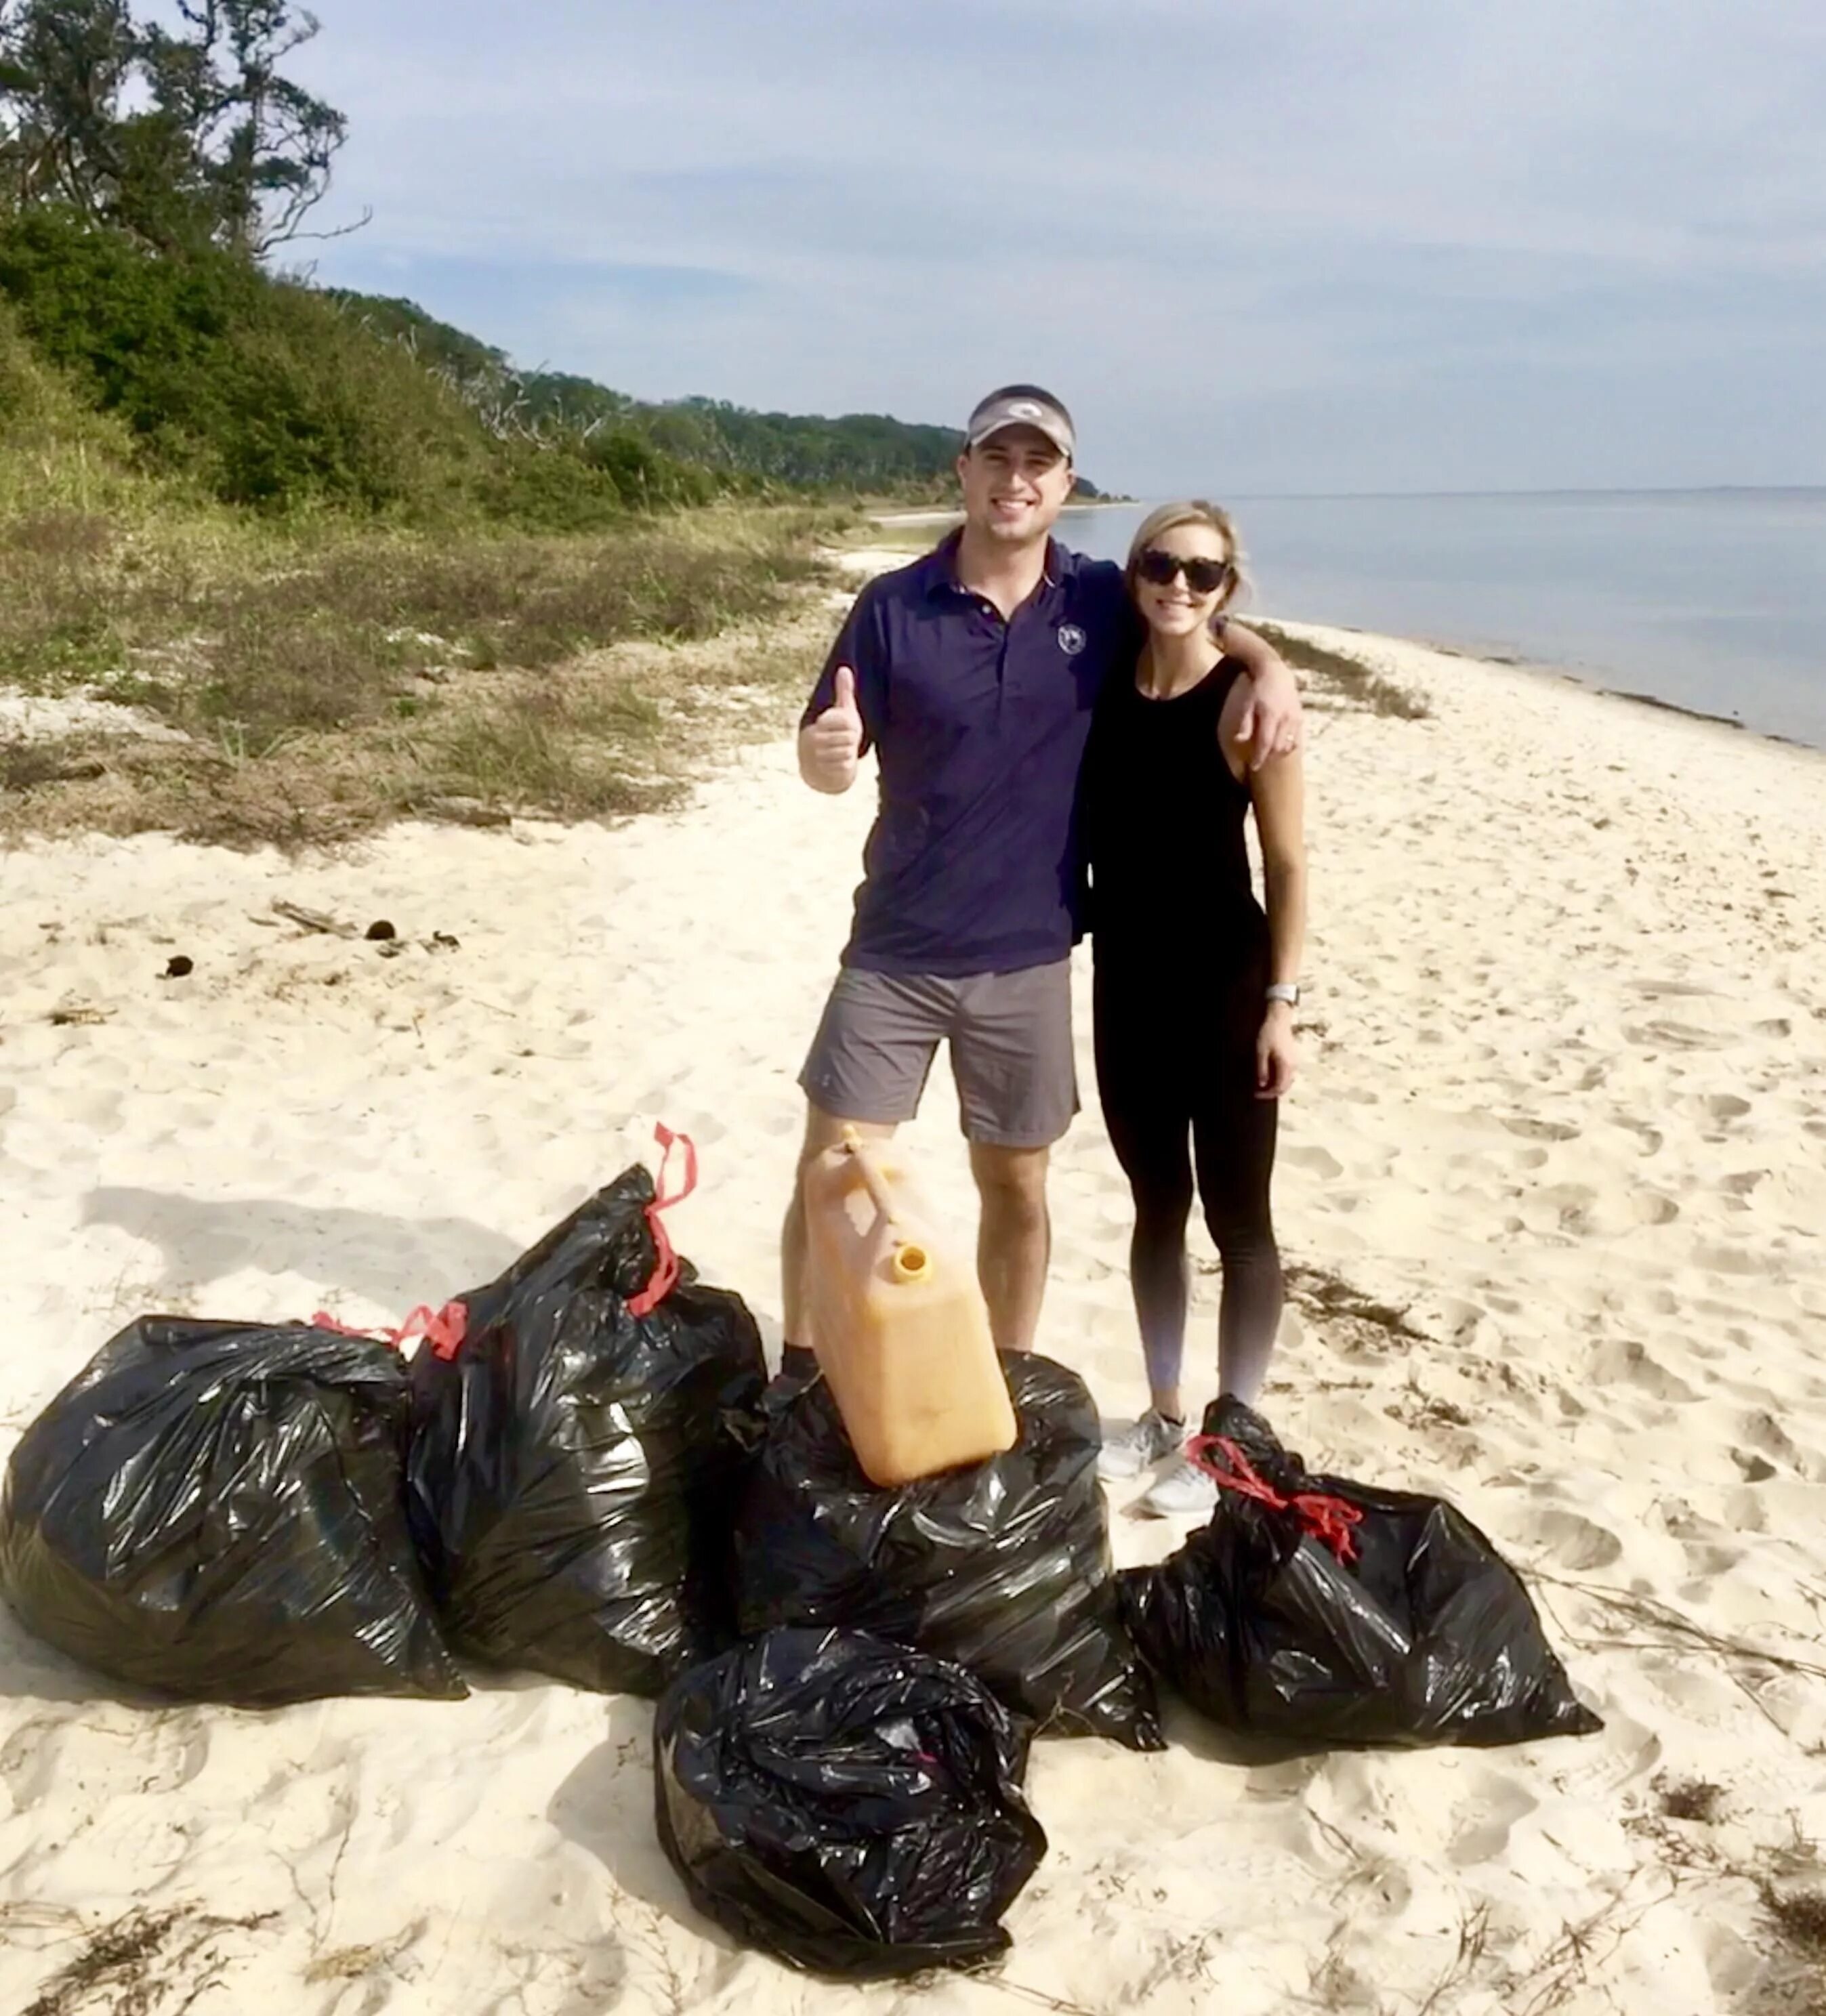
(1257, 245)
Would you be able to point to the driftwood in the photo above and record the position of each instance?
(313, 920)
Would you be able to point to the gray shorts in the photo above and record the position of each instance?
(1010, 1038)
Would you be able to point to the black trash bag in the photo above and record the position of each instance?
(1358, 1616)
(1002, 1566)
(215, 1510)
(852, 1806)
(574, 1468)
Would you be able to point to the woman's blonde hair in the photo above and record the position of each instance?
(1193, 511)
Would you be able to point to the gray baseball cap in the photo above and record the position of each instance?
(1022, 406)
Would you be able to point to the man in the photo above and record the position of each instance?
(972, 674)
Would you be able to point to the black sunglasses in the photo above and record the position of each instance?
(1202, 577)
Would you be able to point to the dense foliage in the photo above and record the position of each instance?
(148, 167)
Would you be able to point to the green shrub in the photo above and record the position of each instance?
(265, 391)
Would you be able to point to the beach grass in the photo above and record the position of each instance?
(1359, 685)
(312, 682)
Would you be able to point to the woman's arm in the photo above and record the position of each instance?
(1278, 790)
(1270, 723)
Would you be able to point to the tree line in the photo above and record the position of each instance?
(151, 170)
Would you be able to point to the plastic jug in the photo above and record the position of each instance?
(899, 1327)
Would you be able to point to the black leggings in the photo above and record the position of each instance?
(1175, 1068)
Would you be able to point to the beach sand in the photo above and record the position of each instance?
(1564, 1104)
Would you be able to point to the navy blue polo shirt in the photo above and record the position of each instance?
(979, 724)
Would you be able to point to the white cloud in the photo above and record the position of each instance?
(1463, 244)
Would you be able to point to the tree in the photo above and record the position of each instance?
(64, 65)
(264, 145)
(188, 135)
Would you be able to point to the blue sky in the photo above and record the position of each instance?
(1263, 245)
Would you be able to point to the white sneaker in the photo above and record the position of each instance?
(1128, 1451)
(1185, 1492)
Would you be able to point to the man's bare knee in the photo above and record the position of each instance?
(1012, 1180)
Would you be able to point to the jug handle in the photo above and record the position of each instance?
(910, 1262)
(871, 1177)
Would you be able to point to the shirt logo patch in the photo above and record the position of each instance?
(1071, 639)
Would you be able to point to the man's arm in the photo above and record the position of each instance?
(1272, 723)
(836, 730)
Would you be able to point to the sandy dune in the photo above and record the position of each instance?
(1564, 1105)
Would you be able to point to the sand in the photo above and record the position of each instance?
(1564, 1102)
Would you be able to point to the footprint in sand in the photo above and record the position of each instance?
(1667, 990)
(1540, 1130)
(1494, 1801)
(1762, 1431)
(1725, 1106)
(1728, 1260)
(1674, 1036)
(1562, 1207)
(1319, 1161)
(1651, 1138)
(1707, 1562)
(1625, 1361)
(1573, 1540)
(54, 1750)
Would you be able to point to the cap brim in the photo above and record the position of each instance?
(1060, 440)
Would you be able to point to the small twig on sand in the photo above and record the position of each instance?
(1038, 1996)
(1563, 1968)
(1683, 1634)
(312, 920)
(1473, 1934)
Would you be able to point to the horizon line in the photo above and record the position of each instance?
(1557, 490)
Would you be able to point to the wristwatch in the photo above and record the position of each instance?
(1284, 990)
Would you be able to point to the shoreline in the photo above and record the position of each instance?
(867, 560)
(1580, 682)
(950, 515)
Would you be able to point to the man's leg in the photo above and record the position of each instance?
(1018, 1087)
(1014, 1238)
(868, 1066)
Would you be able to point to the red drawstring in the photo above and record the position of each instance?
(1327, 1518)
(665, 1270)
(441, 1329)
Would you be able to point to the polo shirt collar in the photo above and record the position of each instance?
(941, 565)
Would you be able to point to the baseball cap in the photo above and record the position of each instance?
(1022, 406)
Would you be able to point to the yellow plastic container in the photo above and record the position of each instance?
(899, 1327)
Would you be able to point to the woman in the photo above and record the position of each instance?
(1195, 987)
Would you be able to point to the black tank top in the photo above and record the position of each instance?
(1163, 831)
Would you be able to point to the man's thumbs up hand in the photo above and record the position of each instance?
(831, 748)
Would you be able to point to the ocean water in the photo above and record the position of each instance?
(1712, 600)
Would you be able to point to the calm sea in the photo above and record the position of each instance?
(1712, 600)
